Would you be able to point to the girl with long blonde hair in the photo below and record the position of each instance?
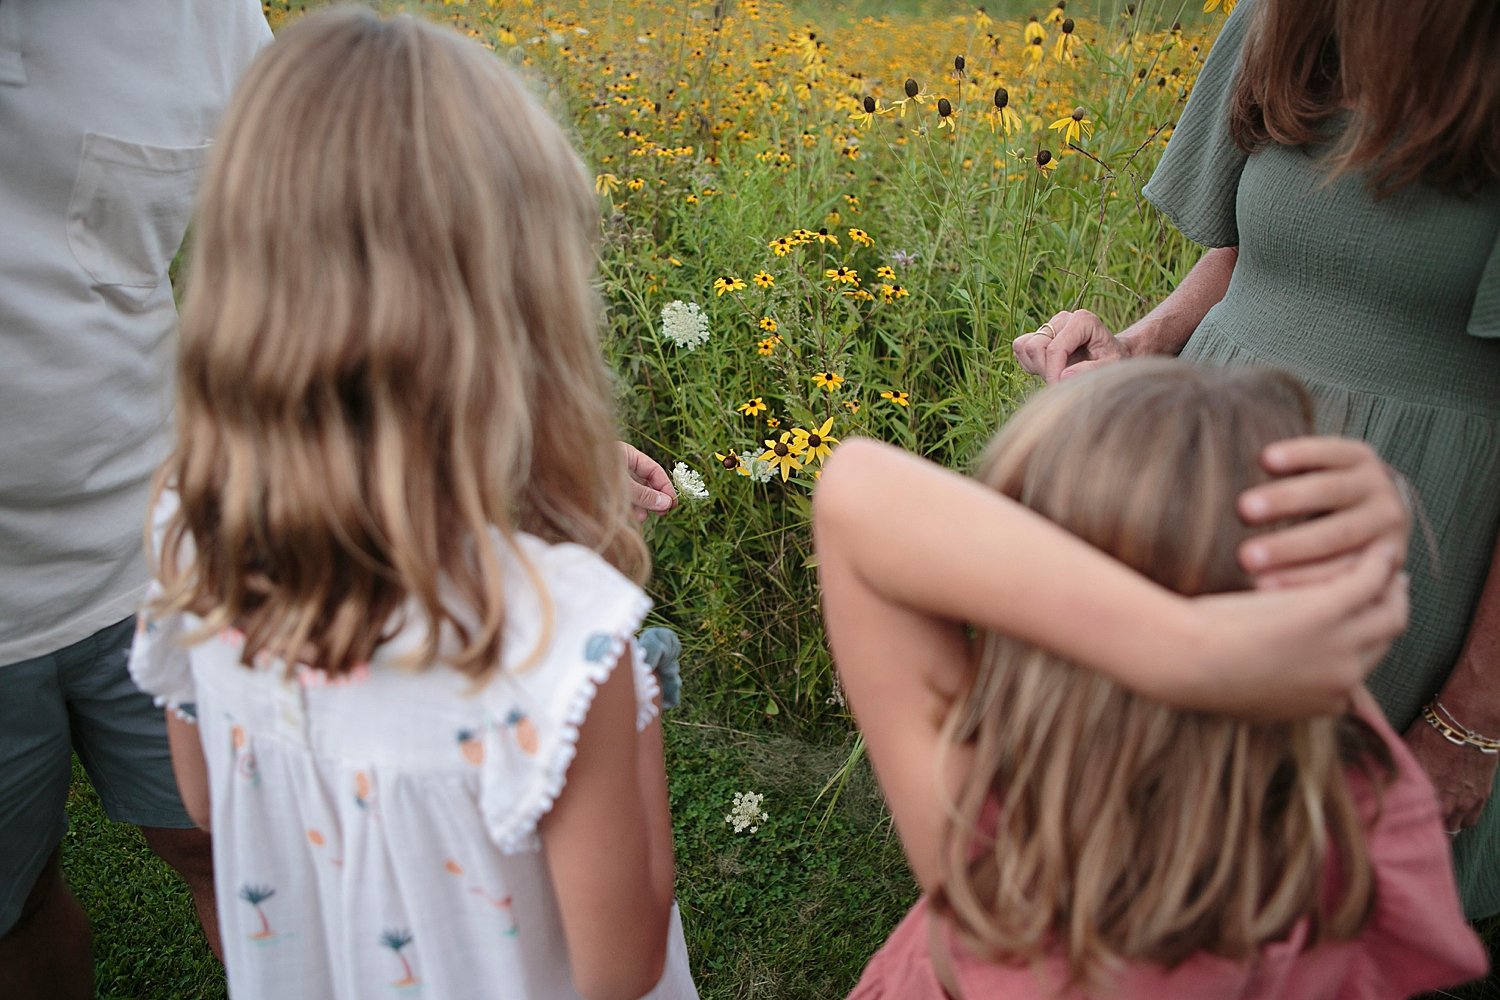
(1084, 814)
(397, 568)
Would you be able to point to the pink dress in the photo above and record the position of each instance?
(1415, 940)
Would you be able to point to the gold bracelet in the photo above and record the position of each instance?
(1455, 733)
(1474, 734)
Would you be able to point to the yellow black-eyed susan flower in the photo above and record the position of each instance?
(724, 284)
(782, 245)
(868, 109)
(859, 295)
(767, 346)
(752, 407)
(1045, 161)
(914, 95)
(1058, 13)
(782, 453)
(606, 184)
(885, 272)
(842, 275)
(823, 236)
(1003, 117)
(764, 280)
(945, 112)
(731, 463)
(1074, 125)
(1034, 51)
(1035, 34)
(897, 396)
(1062, 50)
(768, 324)
(635, 184)
(852, 405)
(773, 423)
(852, 200)
(861, 237)
(815, 444)
(890, 292)
(829, 381)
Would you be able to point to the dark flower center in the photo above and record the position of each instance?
(945, 107)
(911, 87)
(1002, 97)
(1043, 158)
(781, 450)
(958, 63)
(813, 441)
(869, 105)
(1067, 26)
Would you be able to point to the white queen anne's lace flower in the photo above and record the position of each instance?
(684, 324)
(746, 813)
(757, 468)
(689, 483)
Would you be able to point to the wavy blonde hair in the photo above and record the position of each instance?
(388, 351)
(1108, 845)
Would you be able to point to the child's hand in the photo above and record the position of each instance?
(1350, 495)
(651, 489)
(1293, 651)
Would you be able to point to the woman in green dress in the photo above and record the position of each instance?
(1341, 161)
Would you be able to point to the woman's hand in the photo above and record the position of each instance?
(1067, 344)
(1350, 497)
(651, 490)
(1462, 776)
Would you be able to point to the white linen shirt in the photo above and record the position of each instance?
(106, 113)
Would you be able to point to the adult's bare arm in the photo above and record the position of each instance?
(1079, 340)
(1463, 776)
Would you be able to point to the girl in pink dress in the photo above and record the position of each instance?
(1089, 822)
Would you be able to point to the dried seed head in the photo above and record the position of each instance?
(958, 63)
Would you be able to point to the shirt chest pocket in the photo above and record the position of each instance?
(130, 208)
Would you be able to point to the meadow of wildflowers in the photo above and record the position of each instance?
(817, 226)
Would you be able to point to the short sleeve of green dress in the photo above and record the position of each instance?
(1389, 310)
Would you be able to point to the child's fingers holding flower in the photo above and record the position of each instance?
(651, 489)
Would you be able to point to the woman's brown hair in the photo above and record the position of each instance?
(388, 361)
(1420, 79)
(1125, 830)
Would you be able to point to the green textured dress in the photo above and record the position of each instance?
(1389, 311)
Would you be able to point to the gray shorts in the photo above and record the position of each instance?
(78, 698)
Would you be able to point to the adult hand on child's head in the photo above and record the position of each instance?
(1351, 500)
(651, 490)
(1292, 652)
(1067, 344)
